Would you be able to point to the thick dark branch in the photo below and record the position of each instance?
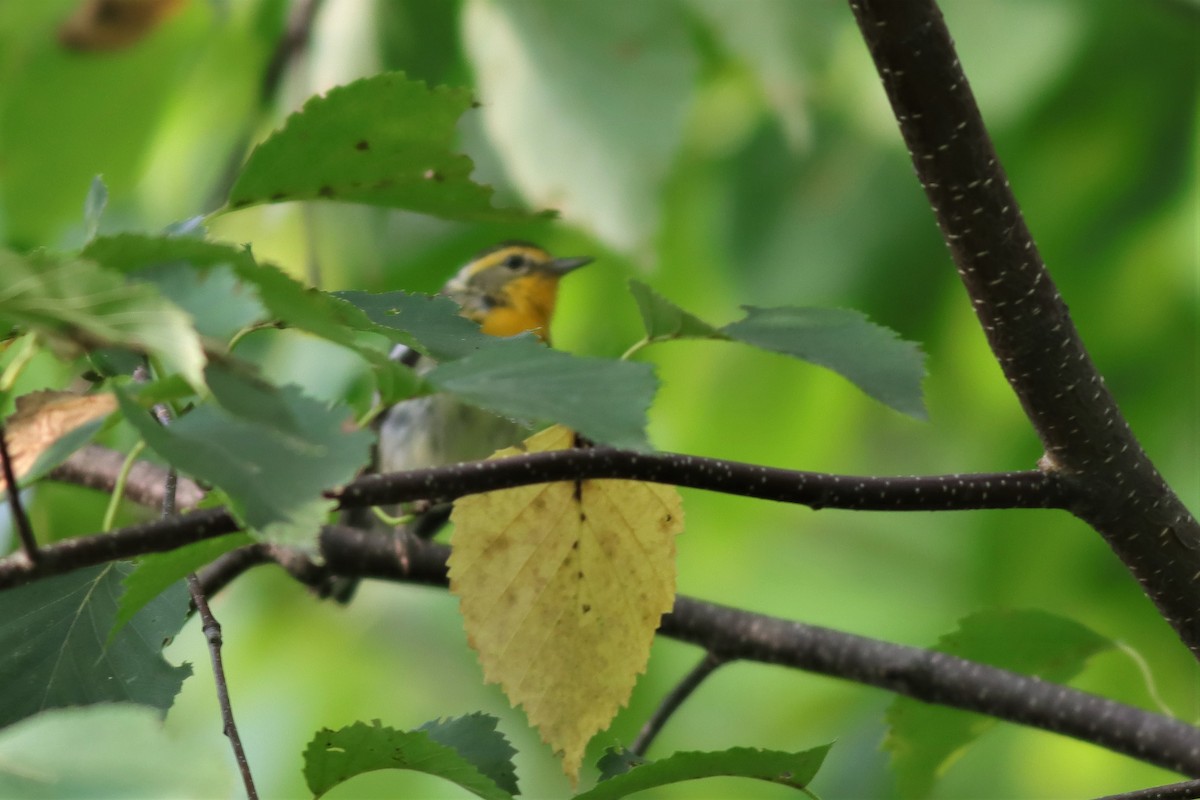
(1029, 489)
(730, 634)
(151, 537)
(1087, 440)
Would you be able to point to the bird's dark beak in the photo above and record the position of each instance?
(561, 266)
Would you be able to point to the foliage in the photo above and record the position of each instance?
(726, 154)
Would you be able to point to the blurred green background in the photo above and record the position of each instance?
(728, 152)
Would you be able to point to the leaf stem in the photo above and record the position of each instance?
(118, 492)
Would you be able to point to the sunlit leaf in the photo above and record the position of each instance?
(562, 587)
(384, 140)
(77, 306)
(546, 74)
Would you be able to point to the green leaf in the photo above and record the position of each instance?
(333, 757)
(787, 769)
(77, 306)
(604, 400)
(924, 738)
(385, 140)
(53, 634)
(565, 137)
(870, 356)
(109, 751)
(273, 465)
(476, 739)
(157, 572)
(217, 299)
(663, 320)
(286, 300)
(434, 322)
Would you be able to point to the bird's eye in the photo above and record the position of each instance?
(514, 262)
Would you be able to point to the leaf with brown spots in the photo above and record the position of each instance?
(562, 586)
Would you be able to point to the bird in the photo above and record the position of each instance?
(508, 289)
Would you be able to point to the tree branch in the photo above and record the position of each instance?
(730, 634)
(1088, 442)
(97, 468)
(1028, 489)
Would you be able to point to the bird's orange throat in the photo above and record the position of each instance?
(529, 306)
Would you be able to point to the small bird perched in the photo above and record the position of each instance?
(508, 289)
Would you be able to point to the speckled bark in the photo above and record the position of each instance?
(1113, 485)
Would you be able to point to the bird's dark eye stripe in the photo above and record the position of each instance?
(514, 261)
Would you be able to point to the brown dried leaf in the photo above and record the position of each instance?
(114, 24)
(42, 418)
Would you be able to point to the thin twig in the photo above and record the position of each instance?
(212, 632)
(674, 699)
(29, 545)
(209, 624)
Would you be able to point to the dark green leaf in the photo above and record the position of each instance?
(923, 738)
(333, 757)
(218, 301)
(273, 474)
(385, 141)
(476, 739)
(434, 322)
(617, 761)
(787, 769)
(155, 573)
(870, 356)
(604, 400)
(664, 320)
(53, 634)
(78, 306)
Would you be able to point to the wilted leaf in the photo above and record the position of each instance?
(53, 637)
(923, 738)
(384, 140)
(787, 769)
(42, 420)
(333, 757)
(562, 587)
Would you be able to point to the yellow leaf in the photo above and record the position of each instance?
(42, 418)
(561, 587)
